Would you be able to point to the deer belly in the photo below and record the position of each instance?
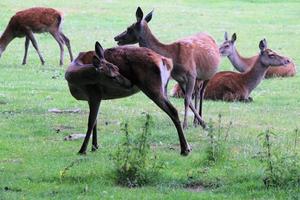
(116, 93)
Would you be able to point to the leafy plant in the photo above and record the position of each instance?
(133, 164)
(281, 169)
(216, 137)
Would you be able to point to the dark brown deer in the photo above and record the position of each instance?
(121, 72)
(233, 86)
(36, 20)
(243, 64)
(194, 58)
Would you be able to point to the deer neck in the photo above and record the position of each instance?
(5, 39)
(148, 40)
(240, 63)
(253, 77)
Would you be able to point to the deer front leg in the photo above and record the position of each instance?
(201, 95)
(31, 37)
(95, 145)
(188, 98)
(27, 41)
(94, 107)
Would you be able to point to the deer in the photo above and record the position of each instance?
(121, 72)
(36, 20)
(243, 64)
(195, 58)
(234, 86)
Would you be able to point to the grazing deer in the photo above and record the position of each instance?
(126, 71)
(245, 64)
(233, 86)
(195, 58)
(35, 20)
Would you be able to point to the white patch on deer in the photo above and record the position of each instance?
(164, 74)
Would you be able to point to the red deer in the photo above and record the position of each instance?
(195, 58)
(35, 20)
(233, 86)
(245, 64)
(121, 72)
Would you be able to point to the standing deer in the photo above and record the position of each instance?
(195, 58)
(245, 64)
(233, 86)
(127, 71)
(36, 20)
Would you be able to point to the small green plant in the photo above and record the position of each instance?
(216, 137)
(281, 169)
(133, 163)
(63, 172)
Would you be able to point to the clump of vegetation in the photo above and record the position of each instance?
(76, 162)
(133, 163)
(216, 149)
(281, 168)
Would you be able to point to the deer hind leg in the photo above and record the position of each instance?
(95, 145)
(94, 107)
(27, 41)
(67, 42)
(161, 101)
(60, 41)
(31, 37)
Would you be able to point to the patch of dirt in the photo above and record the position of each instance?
(195, 187)
(59, 111)
(62, 128)
(74, 136)
(17, 160)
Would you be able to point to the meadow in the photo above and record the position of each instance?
(33, 152)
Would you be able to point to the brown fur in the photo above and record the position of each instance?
(35, 20)
(195, 57)
(243, 64)
(233, 86)
(141, 67)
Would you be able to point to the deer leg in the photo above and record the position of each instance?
(94, 107)
(188, 98)
(202, 90)
(27, 41)
(167, 107)
(60, 42)
(67, 42)
(35, 45)
(95, 145)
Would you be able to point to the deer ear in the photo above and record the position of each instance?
(99, 50)
(233, 38)
(139, 14)
(149, 16)
(226, 36)
(263, 44)
(96, 61)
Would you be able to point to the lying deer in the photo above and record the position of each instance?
(121, 72)
(195, 58)
(245, 64)
(233, 86)
(35, 20)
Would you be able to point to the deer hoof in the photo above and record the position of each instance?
(95, 148)
(81, 152)
(186, 151)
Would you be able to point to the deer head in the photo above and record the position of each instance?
(227, 47)
(132, 34)
(108, 69)
(270, 58)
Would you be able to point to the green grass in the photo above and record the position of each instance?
(32, 153)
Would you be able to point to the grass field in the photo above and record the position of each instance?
(32, 153)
